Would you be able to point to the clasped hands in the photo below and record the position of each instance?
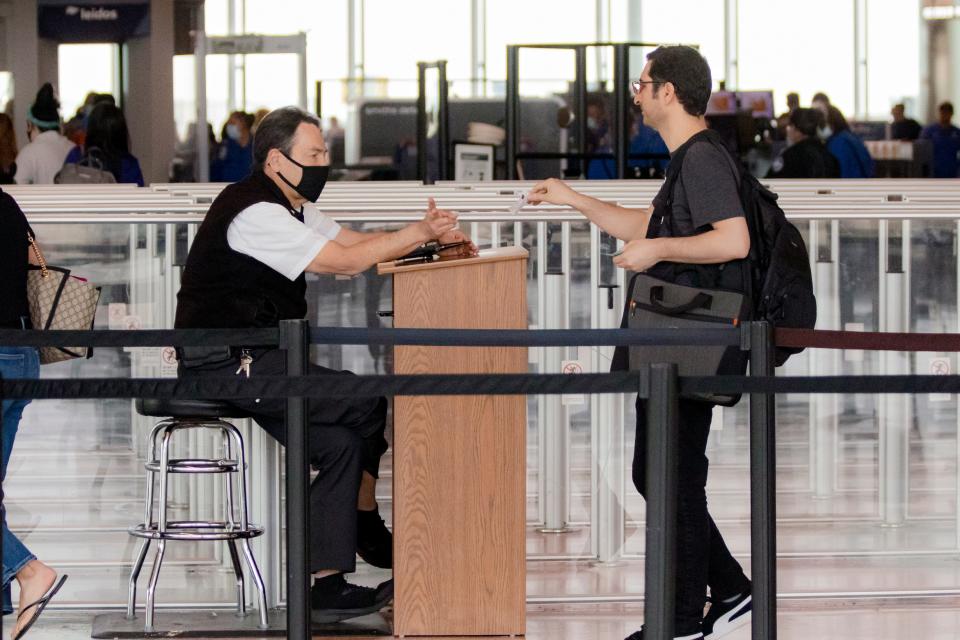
(442, 225)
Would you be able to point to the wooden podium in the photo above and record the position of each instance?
(459, 462)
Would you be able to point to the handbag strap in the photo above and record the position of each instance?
(44, 272)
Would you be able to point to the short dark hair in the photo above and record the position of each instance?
(806, 121)
(277, 130)
(946, 106)
(820, 96)
(687, 71)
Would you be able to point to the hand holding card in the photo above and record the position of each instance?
(518, 203)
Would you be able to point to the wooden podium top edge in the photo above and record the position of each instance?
(500, 254)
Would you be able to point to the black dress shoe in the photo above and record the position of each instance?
(339, 600)
(374, 540)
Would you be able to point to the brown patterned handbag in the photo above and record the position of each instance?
(59, 301)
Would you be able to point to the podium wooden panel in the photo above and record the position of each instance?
(459, 462)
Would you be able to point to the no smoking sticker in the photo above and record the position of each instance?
(940, 366)
(572, 367)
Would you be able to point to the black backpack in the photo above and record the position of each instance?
(780, 278)
(778, 282)
(779, 263)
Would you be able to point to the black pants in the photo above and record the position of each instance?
(346, 438)
(702, 556)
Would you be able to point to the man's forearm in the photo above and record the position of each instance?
(387, 245)
(338, 257)
(620, 222)
(712, 247)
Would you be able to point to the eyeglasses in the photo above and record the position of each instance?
(637, 85)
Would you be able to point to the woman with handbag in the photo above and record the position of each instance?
(38, 582)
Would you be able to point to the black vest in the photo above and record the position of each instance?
(224, 289)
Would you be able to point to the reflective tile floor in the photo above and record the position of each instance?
(845, 620)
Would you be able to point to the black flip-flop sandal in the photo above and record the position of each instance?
(39, 606)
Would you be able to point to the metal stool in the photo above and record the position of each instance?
(184, 415)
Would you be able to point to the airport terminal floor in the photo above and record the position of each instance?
(868, 486)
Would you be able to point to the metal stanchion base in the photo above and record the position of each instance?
(557, 530)
(226, 624)
(608, 564)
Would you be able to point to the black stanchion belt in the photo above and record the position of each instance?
(327, 386)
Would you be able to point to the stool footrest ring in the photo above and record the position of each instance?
(196, 530)
(195, 465)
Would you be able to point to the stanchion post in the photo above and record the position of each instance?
(662, 461)
(555, 467)
(763, 488)
(295, 339)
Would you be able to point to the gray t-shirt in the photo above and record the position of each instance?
(706, 191)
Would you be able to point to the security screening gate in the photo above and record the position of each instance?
(244, 44)
(620, 124)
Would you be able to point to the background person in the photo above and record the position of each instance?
(852, 155)
(946, 143)
(108, 140)
(806, 157)
(37, 581)
(8, 150)
(235, 155)
(902, 127)
(793, 103)
(40, 160)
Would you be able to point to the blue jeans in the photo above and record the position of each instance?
(15, 362)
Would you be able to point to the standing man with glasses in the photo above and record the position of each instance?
(701, 223)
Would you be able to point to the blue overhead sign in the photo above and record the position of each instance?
(86, 21)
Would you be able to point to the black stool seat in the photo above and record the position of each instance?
(188, 408)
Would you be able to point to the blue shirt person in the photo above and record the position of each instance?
(946, 143)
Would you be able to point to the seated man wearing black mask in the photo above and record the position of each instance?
(246, 269)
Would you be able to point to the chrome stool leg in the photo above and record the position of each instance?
(148, 520)
(152, 587)
(134, 576)
(244, 523)
(258, 581)
(161, 524)
(229, 509)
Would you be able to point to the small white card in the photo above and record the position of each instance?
(519, 203)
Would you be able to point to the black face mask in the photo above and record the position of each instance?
(311, 182)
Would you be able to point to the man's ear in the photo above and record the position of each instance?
(669, 92)
(273, 159)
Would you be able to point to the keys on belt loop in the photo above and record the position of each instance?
(245, 361)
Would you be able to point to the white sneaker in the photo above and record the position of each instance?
(725, 617)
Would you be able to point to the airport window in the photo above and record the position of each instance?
(668, 22)
(400, 34)
(893, 57)
(83, 68)
(535, 22)
(786, 46)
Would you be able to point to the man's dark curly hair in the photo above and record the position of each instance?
(687, 71)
